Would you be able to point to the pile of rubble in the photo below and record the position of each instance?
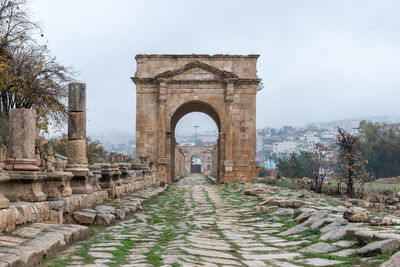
(341, 230)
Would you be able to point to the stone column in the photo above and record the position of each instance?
(76, 146)
(25, 182)
(228, 163)
(21, 149)
(162, 133)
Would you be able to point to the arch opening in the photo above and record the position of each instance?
(195, 151)
(195, 164)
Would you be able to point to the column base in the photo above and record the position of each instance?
(80, 183)
(58, 184)
(21, 164)
(25, 186)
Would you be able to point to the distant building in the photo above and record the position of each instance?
(284, 147)
(328, 135)
(259, 143)
(288, 130)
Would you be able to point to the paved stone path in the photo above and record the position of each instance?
(194, 223)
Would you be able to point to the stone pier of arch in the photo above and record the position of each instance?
(221, 86)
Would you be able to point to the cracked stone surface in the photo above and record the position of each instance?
(197, 223)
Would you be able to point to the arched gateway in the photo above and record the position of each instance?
(222, 86)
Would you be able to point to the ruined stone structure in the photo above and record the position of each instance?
(206, 154)
(221, 86)
(35, 188)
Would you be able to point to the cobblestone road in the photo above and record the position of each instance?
(194, 223)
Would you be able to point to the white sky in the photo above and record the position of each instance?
(320, 60)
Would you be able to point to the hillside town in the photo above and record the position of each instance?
(273, 144)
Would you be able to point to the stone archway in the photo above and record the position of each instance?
(222, 86)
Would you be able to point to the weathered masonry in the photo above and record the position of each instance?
(206, 154)
(222, 86)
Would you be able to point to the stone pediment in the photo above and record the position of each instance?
(197, 70)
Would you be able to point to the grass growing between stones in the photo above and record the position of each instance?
(167, 211)
(56, 262)
(119, 255)
(84, 253)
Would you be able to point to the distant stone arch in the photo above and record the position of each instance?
(221, 86)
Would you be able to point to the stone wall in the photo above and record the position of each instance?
(59, 210)
(207, 154)
(180, 162)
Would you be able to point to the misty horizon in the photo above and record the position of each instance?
(319, 60)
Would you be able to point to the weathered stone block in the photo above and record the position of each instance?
(57, 184)
(83, 217)
(105, 219)
(77, 97)
(76, 125)
(25, 186)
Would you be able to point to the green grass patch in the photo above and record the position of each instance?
(153, 258)
(84, 253)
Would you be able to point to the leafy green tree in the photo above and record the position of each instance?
(379, 145)
(94, 150)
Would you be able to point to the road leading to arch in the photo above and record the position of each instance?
(194, 223)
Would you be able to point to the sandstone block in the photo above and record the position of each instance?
(380, 220)
(379, 247)
(356, 214)
(105, 219)
(83, 217)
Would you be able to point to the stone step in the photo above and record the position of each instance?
(29, 249)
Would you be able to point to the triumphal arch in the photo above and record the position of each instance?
(221, 86)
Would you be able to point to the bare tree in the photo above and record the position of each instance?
(347, 143)
(322, 164)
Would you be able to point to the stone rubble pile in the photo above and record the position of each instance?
(368, 235)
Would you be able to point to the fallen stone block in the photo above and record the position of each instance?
(120, 214)
(83, 217)
(105, 219)
(379, 247)
(356, 214)
(380, 220)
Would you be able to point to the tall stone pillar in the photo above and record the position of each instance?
(162, 134)
(76, 146)
(228, 163)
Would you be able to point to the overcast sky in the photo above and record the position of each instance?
(320, 60)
